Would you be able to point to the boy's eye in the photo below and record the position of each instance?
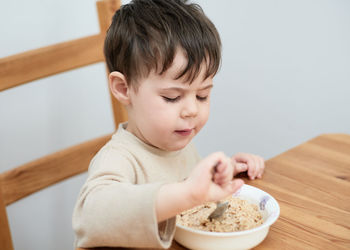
(202, 98)
(168, 99)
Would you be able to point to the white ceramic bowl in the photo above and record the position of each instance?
(198, 239)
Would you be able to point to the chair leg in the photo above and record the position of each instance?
(5, 234)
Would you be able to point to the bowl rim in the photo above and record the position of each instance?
(244, 232)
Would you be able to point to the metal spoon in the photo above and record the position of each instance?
(219, 210)
(220, 206)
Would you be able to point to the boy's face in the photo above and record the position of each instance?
(168, 113)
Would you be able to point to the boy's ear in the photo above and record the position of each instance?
(119, 87)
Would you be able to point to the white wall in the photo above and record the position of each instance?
(285, 78)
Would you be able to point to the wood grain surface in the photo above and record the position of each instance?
(38, 174)
(311, 184)
(50, 60)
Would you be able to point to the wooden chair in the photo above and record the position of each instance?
(24, 180)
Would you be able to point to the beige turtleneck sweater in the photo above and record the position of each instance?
(116, 205)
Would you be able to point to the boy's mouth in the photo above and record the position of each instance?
(184, 132)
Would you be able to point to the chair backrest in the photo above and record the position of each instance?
(24, 180)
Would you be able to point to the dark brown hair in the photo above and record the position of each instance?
(146, 34)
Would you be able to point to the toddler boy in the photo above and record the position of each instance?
(162, 55)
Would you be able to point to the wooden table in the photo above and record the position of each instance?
(311, 183)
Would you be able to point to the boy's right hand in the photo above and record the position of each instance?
(204, 185)
(201, 186)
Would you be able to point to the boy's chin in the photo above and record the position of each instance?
(175, 147)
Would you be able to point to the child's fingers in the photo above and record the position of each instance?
(256, 166)
(234, 185)
(248, 160)
(240, 167)
(251, 168)
(223, 165)
(221, 179)
(224, 172)
(214, 162)
(220, 192)
(259, 166)
(262, 167)
(254, 163)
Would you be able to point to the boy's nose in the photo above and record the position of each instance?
(190, 108)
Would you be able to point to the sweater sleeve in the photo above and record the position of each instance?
(113, 211)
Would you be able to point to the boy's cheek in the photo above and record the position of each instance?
(205, 114)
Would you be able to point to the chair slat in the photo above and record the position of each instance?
(24, 180)
(35, 64)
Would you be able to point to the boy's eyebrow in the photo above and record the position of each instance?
(182, 89)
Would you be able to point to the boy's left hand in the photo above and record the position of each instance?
(253, 164)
